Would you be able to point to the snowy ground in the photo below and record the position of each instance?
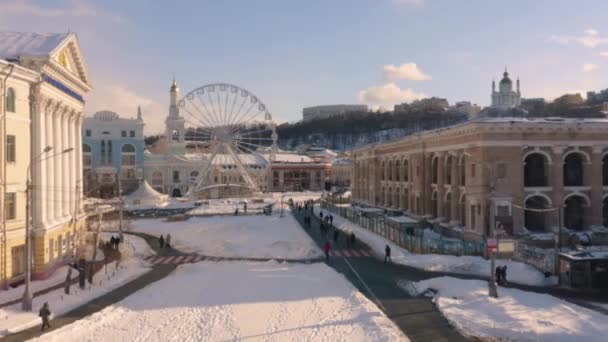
(230, 301)
(516, 315)
(13, 319)
(517, 272)
(257, 236)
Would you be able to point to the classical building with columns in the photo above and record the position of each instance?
(519, 175)
(49, 101)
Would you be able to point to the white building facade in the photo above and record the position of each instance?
(54, 101)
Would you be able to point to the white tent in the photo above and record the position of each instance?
(145, 195)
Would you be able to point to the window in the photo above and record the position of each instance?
(10, 100)
(472, 170)
(127, 160)
(87, 133)
(10, 149)
(157, 178)
(9, 206)
(501, 171)
(128, 173)
(123, 134)
(502, 210)
(132, 134)
(176, 177)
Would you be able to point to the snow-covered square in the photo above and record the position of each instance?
(254, 236)
(229, 301)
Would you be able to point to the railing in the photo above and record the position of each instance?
(414, 238)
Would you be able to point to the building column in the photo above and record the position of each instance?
(65, 166)
(440, 183)
(72, 164)
(48, 164)
(455, 190)
(595, 181)
(78, 160)
(57, 148)
(556, 180)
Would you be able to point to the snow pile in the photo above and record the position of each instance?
(13, 319)
(257, 236)
(517, 272)
(515, 315)
(230, 301)
(145, 195)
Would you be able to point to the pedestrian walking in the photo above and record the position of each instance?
(352, 239)
(112, 242)
(68, 280)
(236, 212)
(326, 248)
(336, 235)
(161, 241)
(168, 241)
(45, 314)
(331, 219)
(387, 254)
(498, 275)
(321, 214)
(504, 274)
(245, 208)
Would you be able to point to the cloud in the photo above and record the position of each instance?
(124, 101)
(604, 53)
(388, 94)
(589, 67)
(74, 8)
(406, 71)
(589, 39)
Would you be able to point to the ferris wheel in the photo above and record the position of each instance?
(232, 127)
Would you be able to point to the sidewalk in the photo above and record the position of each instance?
(418, 318)
(158, 272)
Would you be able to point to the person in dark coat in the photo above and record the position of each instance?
(503, 274)
(352, 239)
(336, 235)
(387, 254)
(45, 314)
(161, 241)
(326, 248)
(321, 214)
(331, 219)
(236, 212)
(498, 275)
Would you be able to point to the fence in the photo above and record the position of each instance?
(410, 235)
(541, 258)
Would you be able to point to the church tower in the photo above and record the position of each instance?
(505, 97)
(175, 133)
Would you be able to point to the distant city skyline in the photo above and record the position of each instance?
(300, 54)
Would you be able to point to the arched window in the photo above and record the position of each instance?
(127, 155)
(397, 171)
(435, 170)
(406, 171)
(448, 171)
(157, 178)
(434, 204)
(390, 170)
(605, 170)
(86, 148)
(574, 212)
(535, 219)
(573, 170)
(405, 200)
(128, 148)
(447, 206)
(463, 172)
(10, 100)
(535, 170)
(389, 196)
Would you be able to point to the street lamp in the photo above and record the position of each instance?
(492, 291)
(26, 302)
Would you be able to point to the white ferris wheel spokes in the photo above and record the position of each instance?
(233, 126)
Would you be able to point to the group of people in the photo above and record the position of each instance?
(164, 242)
(501, 275)
(114, 242)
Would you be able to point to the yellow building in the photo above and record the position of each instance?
(43, 80)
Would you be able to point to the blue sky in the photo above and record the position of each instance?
(293, 54)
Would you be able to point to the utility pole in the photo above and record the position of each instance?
(26, 303)
(120, 213)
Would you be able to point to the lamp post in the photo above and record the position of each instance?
(26, 302)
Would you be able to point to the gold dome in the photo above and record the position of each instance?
(174, 87)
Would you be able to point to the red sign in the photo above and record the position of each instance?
(492, 243)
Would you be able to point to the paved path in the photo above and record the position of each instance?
(158, 272)
(417, 317)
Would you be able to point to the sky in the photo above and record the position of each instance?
(293, 54)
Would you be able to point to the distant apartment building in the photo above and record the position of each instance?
(599, 97)
(324, 112)
(534, 105)
(466, 107)
(427, 104)
(570, 100)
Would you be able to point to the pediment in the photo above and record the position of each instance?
(68, 57)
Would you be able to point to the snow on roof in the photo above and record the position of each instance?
(342, 161)
(290, 158)
(16, 44)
